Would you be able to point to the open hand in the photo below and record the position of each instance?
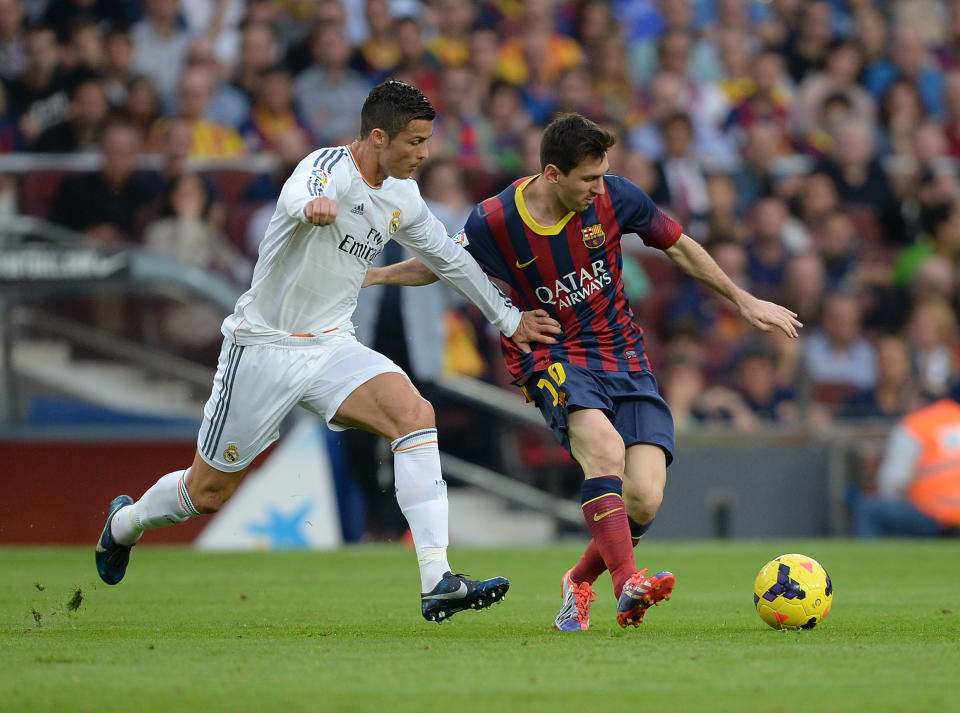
(766, 315)
(535, 326)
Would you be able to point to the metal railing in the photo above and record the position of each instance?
(39, 260)
(112, 346)
(15, 163)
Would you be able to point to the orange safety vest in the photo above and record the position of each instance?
(935, 489)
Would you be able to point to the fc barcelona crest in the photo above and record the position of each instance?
(593, 236)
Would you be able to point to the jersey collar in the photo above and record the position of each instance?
(360, 171)
(528, 219)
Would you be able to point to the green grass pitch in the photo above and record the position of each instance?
(342, 631)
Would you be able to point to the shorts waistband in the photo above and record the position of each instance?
(305, 340)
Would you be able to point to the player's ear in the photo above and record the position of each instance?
(551, 173)
(379, 138)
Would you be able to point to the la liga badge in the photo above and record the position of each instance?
(319, 179)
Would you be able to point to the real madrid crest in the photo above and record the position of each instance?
(232, 453)
(593, 236)
(395, 222)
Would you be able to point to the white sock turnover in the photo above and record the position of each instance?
(165, 503)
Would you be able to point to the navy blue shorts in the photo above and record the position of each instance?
(630, 399)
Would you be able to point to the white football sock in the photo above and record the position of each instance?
(165, 503)
(422, 496)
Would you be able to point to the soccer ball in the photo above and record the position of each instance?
(793, 592)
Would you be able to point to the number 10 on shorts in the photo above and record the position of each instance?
(557, 377)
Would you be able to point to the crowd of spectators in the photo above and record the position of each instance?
(810, 145)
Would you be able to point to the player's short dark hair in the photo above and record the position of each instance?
(391, 105)
(570, 138)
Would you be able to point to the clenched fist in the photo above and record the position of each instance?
(321, 211)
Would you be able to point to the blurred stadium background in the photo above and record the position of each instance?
(811, 146)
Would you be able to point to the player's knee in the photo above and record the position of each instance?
(613, 463)
(413, 416)
(642, 502)
(600, 459)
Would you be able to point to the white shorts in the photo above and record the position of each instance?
(256, 386)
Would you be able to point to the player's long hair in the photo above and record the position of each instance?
(569, 139)
(391, 105)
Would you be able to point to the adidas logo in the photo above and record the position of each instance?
(357, 209)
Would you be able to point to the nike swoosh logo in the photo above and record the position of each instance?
(522, 265)
(459, 594)
(598, 517)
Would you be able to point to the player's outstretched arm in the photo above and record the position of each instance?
(536, 326)
(765, 316)
(409, 273)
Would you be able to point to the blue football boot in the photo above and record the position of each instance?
(112, 558)
(455, 593)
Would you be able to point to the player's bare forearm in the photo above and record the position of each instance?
(696, 262)
(535, 327)
(409, 273)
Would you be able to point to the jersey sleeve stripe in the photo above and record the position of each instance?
(331, 160)
(311, 188)
(322, 155)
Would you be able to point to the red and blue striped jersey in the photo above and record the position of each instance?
(573, 270)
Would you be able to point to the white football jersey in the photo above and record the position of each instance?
(307, 277)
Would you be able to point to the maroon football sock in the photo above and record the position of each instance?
(606, 517)
(591, 564)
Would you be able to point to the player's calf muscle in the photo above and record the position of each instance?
(209, 502)
(210, 488)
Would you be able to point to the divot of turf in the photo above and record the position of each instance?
(76, 600)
